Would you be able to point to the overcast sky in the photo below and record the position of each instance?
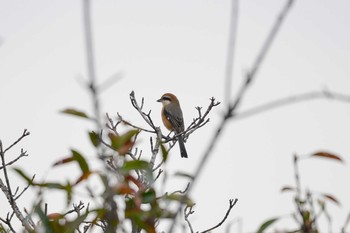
(180, 47)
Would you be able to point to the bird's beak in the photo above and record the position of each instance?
(160, 100)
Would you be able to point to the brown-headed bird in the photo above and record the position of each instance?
(173, 119)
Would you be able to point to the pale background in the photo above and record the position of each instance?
(180, 47)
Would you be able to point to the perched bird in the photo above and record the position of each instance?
(173, 119)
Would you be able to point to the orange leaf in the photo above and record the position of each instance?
(327, 155)
(55, 216)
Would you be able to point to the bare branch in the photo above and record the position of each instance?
(347, 221)
(291, 100)
(233, 105)
(145, 116)
(76, 208)
(24, 134)
(22, 154)
(110, 125)
(15, 208)
(132, 125)
(90, 62)
(187, 212)
(231, 50)
(25, 189)
(232, 204)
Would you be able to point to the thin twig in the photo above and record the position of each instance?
(234, 105)
(231, 50)
(120, 119)
(25, 189)
(145, 116)
(22, 154)
(187, 212)
(347, 221)
(24, 134)
(291, 100)
(91, 62)
(232, 204)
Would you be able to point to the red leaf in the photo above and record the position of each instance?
(84, 176)
(327, 155)
(287, 189)
(123, 188)
(55, 216)
(63, 161)
(331, 198)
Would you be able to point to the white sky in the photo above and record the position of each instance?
(180, 47)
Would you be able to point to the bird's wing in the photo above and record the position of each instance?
(175, 120)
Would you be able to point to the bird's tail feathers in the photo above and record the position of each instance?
(182, 147)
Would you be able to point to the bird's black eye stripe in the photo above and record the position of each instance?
(166, 98)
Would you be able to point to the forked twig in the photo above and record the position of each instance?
(232, 204)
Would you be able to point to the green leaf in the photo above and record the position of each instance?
(266, 224)
(44, 220)
(148, 196)
(74, 112)
(164, 152)
(72, 226)
(94, 138)
(134, 165)
(184, 175)
(51, 185)
(23, 175)
(81, 161)
(69, 191)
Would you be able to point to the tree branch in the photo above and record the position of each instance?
(232, 204)
(234, 105)
(291, 100)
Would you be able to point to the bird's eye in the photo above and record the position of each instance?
(166, 98)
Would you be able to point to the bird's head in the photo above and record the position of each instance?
(168, 98)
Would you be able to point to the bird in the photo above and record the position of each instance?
(173, 119)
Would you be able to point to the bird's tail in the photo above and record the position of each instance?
(182, 147)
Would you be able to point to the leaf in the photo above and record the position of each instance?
(75, 157)
(69, 191)
(134, 165)
(287, 189)
(55, 216)
(44, 220)
(94, 138)
(72, 226)
(81, 161)
(331, 198)
(184, 175)
(74, 112)
(63, 161)
(51, 185)
(23, 175)
(266, 224)
(123, 188)
(164, 152)
(122, 143)
(328, 155)
(84, 176)
(148, 196)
